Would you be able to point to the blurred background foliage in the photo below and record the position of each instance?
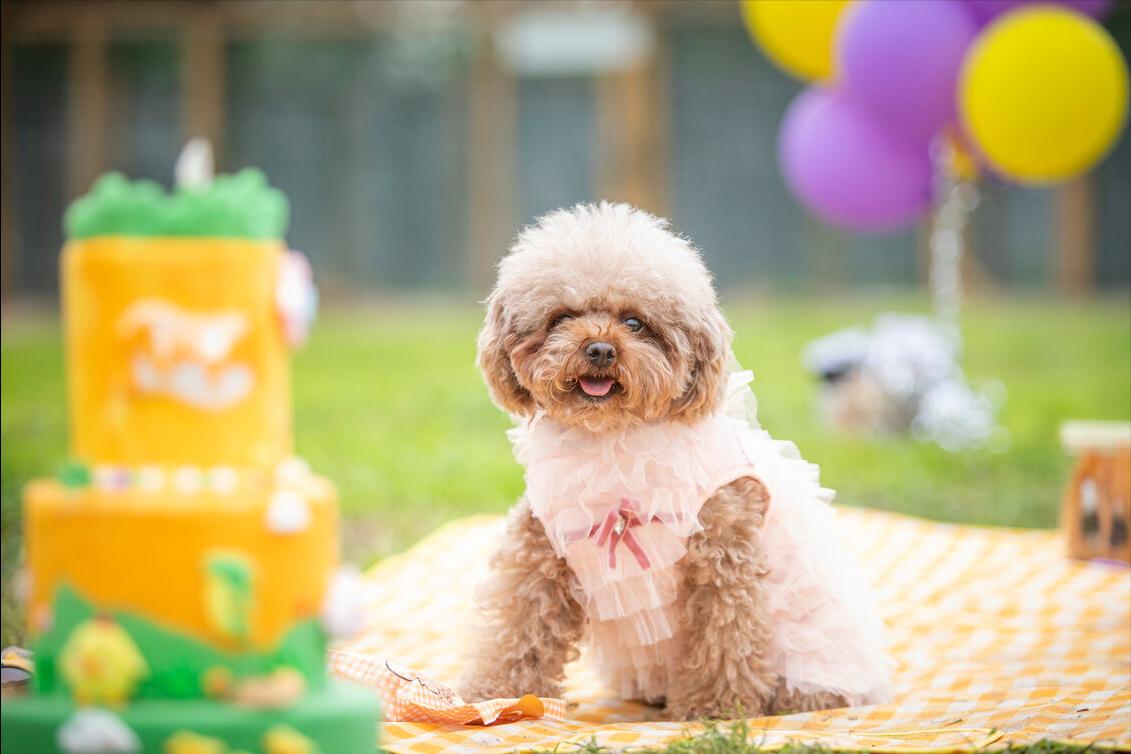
(389, 405)
(413, 138)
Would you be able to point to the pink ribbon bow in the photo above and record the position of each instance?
(617, 527)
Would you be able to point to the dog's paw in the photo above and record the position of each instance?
(477, 691)
(717, 708)
(691, 713)
(787, 702)
(481, 690)
(679, 713)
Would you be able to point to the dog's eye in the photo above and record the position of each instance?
(633, 324)
(561, 318)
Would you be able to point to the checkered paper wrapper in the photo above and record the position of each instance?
(999, 639)
(407, 696)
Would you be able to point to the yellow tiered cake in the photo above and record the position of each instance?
(183, 570)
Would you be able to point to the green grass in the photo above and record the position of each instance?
(389, 405)
(738, 738)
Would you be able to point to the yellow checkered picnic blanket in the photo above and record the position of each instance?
(999, 640)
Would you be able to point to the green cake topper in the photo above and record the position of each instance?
(230, 206)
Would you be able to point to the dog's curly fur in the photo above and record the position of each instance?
(578, 276)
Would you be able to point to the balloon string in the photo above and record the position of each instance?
(956, 196)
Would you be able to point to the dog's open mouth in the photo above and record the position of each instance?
(597, 388)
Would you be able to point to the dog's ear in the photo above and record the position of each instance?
(709, 341)
(495, 342)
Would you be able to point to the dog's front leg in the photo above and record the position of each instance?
(529, 623)
(725, 628)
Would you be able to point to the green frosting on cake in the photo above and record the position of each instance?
(177, 661)
(329, 718)
(231, 206)
(338, 719)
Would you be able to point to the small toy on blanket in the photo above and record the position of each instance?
(407, 696)
(903, 376)
(17, 667)
(1097, 502)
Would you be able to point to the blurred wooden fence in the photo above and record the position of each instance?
(412, 149)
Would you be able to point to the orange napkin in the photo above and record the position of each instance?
(407, 696)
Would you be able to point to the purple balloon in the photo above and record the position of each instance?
(901, 61)
(984, 11)
(842, 165)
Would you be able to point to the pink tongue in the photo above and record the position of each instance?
(596, 387)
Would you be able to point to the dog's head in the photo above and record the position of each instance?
(602, 317)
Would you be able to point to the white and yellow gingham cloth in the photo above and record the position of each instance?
(999, 639)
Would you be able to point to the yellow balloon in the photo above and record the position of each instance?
(1043, 94)
(797, 35)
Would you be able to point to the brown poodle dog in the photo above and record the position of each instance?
(602, 321)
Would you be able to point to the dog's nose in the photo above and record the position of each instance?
(601, 354)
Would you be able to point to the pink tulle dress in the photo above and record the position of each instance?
(619, 507)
